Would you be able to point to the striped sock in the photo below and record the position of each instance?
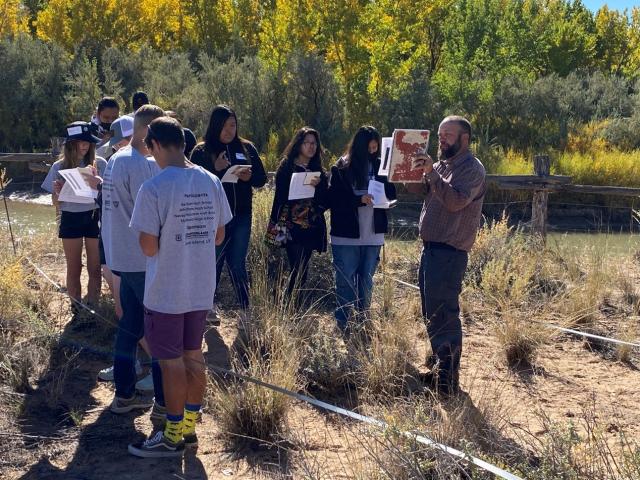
(190, 417)
(173, 428)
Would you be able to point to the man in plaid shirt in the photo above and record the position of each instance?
(449, 221)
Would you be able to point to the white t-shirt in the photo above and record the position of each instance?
(184, 208)
(126, 171)
(53, 175)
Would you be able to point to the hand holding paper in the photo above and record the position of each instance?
(234, 173)
(75, 188)
(67, 194)
(303, 185)
(380, 200)
(312, 179)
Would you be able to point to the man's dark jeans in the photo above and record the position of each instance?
(130, 331)
(440, 278)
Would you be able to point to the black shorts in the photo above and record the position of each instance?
(79, 224)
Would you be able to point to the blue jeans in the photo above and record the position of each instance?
(354, 266)
(440, 278)
(234, 250)
(130, 331)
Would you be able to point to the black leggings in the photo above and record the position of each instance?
(298, 256)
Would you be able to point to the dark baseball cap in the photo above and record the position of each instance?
(80, 131)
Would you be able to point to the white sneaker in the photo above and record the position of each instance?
(106, 374)
(145, 384)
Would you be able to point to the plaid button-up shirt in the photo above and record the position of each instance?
(453, 203)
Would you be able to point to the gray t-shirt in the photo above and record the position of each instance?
(53, 175)
(183, 207)
(126, 171)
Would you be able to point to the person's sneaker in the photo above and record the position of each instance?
(145, 384)
(125, 405)
(157, 447)
(158, 412)
(106, 374)
(191, 440)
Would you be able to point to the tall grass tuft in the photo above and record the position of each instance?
(249, 411)
(520, 338)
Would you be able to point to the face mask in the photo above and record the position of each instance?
(105, 126)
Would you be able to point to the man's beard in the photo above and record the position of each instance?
(450, 151)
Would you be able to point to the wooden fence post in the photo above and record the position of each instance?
(542, 168)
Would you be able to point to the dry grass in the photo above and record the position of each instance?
(25, 338)
(249, 411)
(628, 332)
(384, 347)
(520, 339)
(582, 449)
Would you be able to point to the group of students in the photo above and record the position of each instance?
(164, 226)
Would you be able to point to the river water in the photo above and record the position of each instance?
(34, 215)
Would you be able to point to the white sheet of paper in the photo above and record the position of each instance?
(385, 156)
(299, 186)
(67, 195)
(380, 200)
(231, 175)
(73, 177)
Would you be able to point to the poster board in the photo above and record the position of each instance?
(405, 145)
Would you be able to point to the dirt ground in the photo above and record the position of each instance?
(76, 437)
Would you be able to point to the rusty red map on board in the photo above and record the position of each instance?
(405, 145)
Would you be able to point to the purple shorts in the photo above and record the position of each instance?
(169, 334)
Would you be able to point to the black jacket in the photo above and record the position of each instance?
(344, 203)
(240, 194)
(314, 237)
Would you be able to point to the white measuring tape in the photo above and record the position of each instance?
(423, 439)
(589, 335)
(551, 325)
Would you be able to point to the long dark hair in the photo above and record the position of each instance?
(212, 143)
(71, 159)
(292, 150)
(356, 157)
